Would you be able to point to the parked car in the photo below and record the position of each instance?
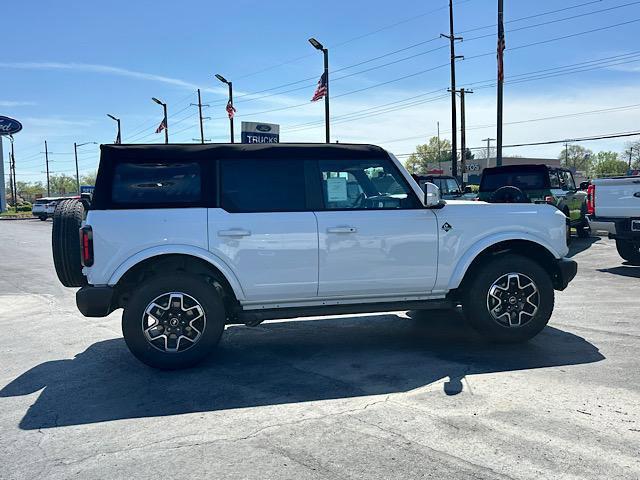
(539, 184)
(188, 238)
(43, 207)
(614, 206)
(450, 188)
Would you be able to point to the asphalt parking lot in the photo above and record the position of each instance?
(375, 396)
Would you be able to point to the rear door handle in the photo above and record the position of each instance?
(342, 230)
(234, 232)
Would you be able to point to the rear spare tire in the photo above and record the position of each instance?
(65, 242)
(509, 194)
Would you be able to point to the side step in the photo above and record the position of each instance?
(255, 317)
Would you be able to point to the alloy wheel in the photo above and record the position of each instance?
(513, 300)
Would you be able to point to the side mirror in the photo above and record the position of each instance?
(431, 195)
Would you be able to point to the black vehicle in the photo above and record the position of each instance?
(537, 184)
(450, 188)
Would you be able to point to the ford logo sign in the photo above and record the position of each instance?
(263, 128)
(9, 126)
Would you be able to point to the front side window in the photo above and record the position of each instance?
(553, 179)
(262, 185)
(364, 184)
(161, 183)
(447, 186)
(567, 180)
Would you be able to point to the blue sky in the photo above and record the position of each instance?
(66, 64)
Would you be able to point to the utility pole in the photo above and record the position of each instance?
(463, 135)
(12, 176)
(452, 40)
(439, 150)
(566, 154)
(200, 105)
(46, 157)
(630, 155)
(501, 47)
(488, 140)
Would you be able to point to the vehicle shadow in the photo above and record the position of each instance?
(625, 271)
(579, 245)
(284, 362)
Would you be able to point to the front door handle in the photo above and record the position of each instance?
(234, 232)
(342, 230)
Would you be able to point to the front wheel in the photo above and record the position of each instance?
(174, 321)
(510, 299)
(629, 251)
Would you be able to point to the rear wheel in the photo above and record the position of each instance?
(65, 242)
(43, 218)
(509, 299)
(173, 322)
(583, 229)
(629, 251)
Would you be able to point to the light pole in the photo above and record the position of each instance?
(325, 53)
(166, 124)
(75, 152)
(118, 136)
(230, 109)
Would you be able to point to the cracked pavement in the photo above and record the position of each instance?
(386, 396)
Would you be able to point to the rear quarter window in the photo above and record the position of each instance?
(158, 184)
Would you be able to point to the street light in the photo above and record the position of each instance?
(118, 137)
(229, 103)
(325, 52)
(75, 152)
(166, 124)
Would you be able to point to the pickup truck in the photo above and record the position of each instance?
(613, 205)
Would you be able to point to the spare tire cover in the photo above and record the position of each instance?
(65, 242)
(509, 194)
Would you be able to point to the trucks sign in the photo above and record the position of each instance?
(255, 132)
(9, 126)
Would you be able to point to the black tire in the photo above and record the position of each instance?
(65, 242)
(509, 194)
(476, 298)
(43, 218)
(629, 251)
(191, 287)
(583, 229)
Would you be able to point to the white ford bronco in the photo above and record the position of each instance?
(189, 238)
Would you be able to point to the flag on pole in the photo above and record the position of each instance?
(230, 109)
(501, 47)
(321, 91)
(162, 126)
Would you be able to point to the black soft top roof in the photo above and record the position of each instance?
(524, 167)
(212, 151)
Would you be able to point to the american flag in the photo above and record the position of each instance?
(321, 91)
(501, 47)
(230, 109)
(162, 126)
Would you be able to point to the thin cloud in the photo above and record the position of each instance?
(107, 70)
(16, 103)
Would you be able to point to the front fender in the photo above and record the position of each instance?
(190, 250)
(486, 242)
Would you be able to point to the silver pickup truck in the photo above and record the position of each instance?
(613, 205)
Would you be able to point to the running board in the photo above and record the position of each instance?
(255, 317)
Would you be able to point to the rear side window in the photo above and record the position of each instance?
(524, 180)
(160, 184)
(262, 185)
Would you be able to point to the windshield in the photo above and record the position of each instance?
(524, 180)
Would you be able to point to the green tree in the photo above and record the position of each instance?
(62, 184)
(429, 155)
(30, 190)
(608, 164)
(632, 149)
(88, 178)
(577, 157)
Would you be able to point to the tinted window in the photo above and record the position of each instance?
(553, 179)
(524, 180)
(447, 185)
(364, 184)
(262, 185)
(162, 184)
(566, 180)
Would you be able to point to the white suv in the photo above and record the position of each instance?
(188, 238)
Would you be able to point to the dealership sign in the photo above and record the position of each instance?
(9, 126)
(255, 132)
